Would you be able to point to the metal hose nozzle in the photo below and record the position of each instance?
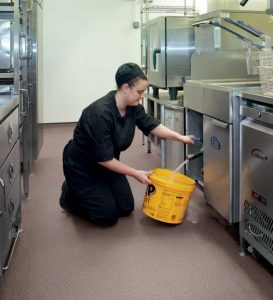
(195, 155)
(243, 2)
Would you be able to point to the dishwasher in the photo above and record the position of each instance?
(256, 226)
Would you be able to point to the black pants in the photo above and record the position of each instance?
(92, 191)
(102, 202)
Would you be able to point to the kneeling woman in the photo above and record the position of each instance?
(95, 184)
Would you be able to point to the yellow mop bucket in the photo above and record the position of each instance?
(167, 198)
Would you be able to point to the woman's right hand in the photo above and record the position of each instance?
(143, 176)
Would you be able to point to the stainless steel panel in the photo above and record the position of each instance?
(37, 126)
(14, 201)
(175, 154)
(220, 64)
(5, 45)
(257, 114)
(257, 189)
(193, 97)
(9, 133)
(7, 220)
(217, 166)
(180, 47)
(217, 104)
(5, 236)
(7, 104)
(194, 126)
(10, 169)
(157, 52)
(257, 161)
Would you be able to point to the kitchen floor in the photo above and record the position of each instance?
(59, 256)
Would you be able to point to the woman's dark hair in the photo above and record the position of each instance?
(134, 81)
(129, 73)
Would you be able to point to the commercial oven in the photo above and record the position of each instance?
(170, 44)
(6, 48)
(9, 44)
(256, 227)
(6, 2)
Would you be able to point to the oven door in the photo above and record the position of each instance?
(156, 69)
(5, 46)
(6, 2)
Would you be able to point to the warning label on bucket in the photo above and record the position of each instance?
(166, 200)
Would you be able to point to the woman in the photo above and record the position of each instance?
(96, 186)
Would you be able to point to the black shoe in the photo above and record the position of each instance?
(64, 199)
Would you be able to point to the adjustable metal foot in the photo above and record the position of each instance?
(12, 249)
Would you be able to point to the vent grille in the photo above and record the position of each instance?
(258, 225)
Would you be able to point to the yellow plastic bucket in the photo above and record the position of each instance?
(167, 198)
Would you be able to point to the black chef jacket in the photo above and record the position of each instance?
(102, 133)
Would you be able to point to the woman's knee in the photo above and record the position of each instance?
(124, 212)
(105, 219)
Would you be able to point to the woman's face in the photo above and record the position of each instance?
(136, 93)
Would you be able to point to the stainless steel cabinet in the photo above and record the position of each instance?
(8, 134)
(174, 151)
(10, 216)
(256, 225)
(214, 115)
(10, 192)
(194, 126)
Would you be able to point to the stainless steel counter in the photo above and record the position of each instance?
(7, 104)
(256, 94)
(215, 106)
(165, 100)
(247, 89)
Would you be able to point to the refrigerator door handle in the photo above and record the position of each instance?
(30, 5)
(219, 123)
(25, 103)
(2, 184)
(23, 46)
(155, 52)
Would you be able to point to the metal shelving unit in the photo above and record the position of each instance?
(165, 111)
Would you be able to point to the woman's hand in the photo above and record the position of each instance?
(121, 168)
(142, 176)
(188, 139)
(166, 133)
